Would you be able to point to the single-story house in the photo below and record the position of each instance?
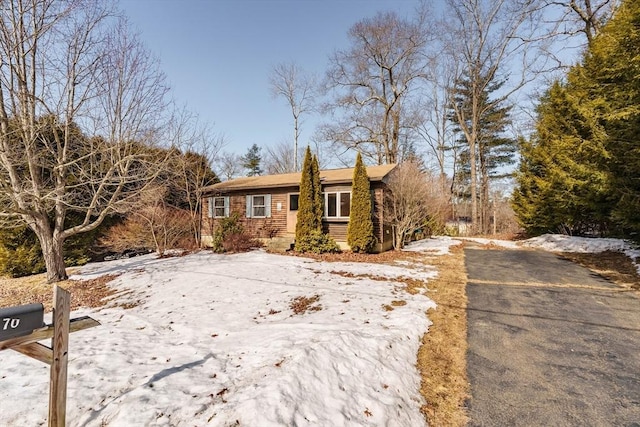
(268, 205)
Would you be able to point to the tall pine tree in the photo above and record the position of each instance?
(318, 203)
(493, 151)
(251, 161)
(580, 170)
(611, 78)
(561, 185)
(360, 236)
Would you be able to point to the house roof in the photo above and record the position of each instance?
(329, 176)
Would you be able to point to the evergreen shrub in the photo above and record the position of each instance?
(360, 235)
(229, 236)
(317, 242)
(21, 259)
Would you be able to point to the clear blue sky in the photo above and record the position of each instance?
(217, 55)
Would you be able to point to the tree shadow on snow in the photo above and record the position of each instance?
(157, 377)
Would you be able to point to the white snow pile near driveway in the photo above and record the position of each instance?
(436, 245)
(507, 244)
(563, 243)
(213, 340)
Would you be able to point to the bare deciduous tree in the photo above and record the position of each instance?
(435, 128)
(279, 159)
(413, 201)
(290, 82)
(228, 165)
(191, 167)
(372, 85)
(566, 19)
(80, 103)
(486, 41)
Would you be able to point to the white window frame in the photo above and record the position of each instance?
(338, 204)
(213, 207)
(251, 206)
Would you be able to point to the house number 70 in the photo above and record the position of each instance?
(9, 323)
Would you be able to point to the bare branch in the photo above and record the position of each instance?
(289, 81)
(81, 105)
(372, 86)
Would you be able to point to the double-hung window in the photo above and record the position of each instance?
(218, 207)
(337, 204)
(259, 206)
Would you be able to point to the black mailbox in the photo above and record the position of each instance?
(20, 320)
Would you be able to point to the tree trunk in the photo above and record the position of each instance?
(53, 258)
(474, 184)
(399, 239)
(51, 245)
(296, 132)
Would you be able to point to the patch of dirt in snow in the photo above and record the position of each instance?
(89, 293)
(612, 265)
(302, 304)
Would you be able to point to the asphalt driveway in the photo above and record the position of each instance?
(550, 343)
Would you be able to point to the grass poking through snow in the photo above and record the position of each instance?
(442, 356)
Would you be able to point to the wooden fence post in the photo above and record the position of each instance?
(60, 347)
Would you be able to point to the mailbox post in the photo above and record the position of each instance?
(23, 326)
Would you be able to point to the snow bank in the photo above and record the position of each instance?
(562, 243)
(213, 340)
(435, 246)
(508, 244)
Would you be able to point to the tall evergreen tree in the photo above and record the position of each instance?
(585, 155)
(493, 151)
(610, 75)
(360, 235)
(309, 235)
(251, 161)
(307, 220)
(318, 202)
(561, 185)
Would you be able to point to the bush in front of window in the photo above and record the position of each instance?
(316, 242)
(240, 242)
(229, 236)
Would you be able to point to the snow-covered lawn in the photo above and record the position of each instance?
(214, 340)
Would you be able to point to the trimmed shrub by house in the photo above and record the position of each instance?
(360, 236)
(318, 199)
(230, 236)
(309, 236)
(317, 242)
(307, 220)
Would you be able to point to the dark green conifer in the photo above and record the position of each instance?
(306, 221)
(561, 185)
(251, 161)
(360, 236)
(610, 76)
(309, 235)
(579, 171)
(318, 202)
